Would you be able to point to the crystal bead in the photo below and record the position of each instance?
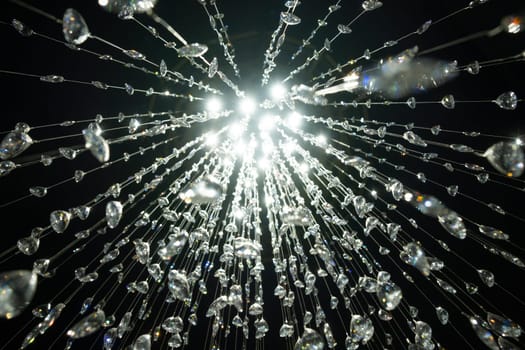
(487, 277)
(213, 68)
(513, 24)
(134, 54)
(289, 18)
(424, 27)
(113, 213)
(473, 68)
(6, 167)
(507, 100)
(17, 289)
(59, 220)
(503, 326)
(74, 27)
(507, 158)
(98, 146)
(361, 329)
(204, 191)
(14, 143)
(483, 333)
(453, 223)
(193, 50)
(178, 285)
(448, 102)
(442, 315)
(412, 254)
(21, 28)
(143, 342)
(87, 326)
(28, 245)
(369, 5)
(389, 295)
(38, 191)
(344, 29)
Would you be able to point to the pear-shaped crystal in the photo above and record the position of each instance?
(193, 50)
(507, 158)
(204, 191)
(74, 27)
(412, 254)
(28, 245)
(17, 289)
(448, 102)
(176, 243)
(507, 100)
(173, 324)
(6, 167)
(361, 329)
(14, 143)
(453, 223)
(503, 326)
(289, 18)
(369, 5)
(442, 315)
(59, 220)
(113, 213)
(88, 325)
(310, 340)
(483, 334)
(246, 248)
(389, 295)
(143, 342)
(98, 146)
(297, 216)
(487, 277)
(178, 285)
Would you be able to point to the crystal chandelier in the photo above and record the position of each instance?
(363, 192)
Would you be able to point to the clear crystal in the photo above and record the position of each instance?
(507, 100)
(98, 146)
(74, 27)
(14, 143)
(289, 18)
(113, 213)
(389, 295)
(17, 289)
(59, 220)
(88, 325)
(507, 158)
(193, 50)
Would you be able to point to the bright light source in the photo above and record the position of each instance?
(240, 147)
(263, 163)
(289, 147)
(247, 105)
(211, 139)
(303, 168)
(103, 2)
(321, 139)
(294, 120)
(277, 91)
(267, 122)
(519, 142)
(213, 105)
(236, 129)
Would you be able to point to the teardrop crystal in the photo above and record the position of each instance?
(17, 289)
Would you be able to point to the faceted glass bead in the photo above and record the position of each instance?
(113, 213)
(389, 295)
(507, 158)
(193, 50)
(13, 144)
(98, 146)
(74, 27)
(513, 24)
(361, 329)
(59, 220)
(448, 102)
(17, 289)
(143, 342)
(503, 326)
(487, 277)
(205, 191)
(507, 100)
(369, 5)
(453, 223)
(178, 285)
(28, 245)
(213, 68)
(289, 18)
(412, 254)
(483, 333)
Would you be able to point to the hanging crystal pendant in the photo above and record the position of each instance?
(204, 191)
(507, 158)
(14, 143)
(193, 50)
(88, 325)
(74, 27)
(113, 213)
(59, 220)
(98, 146)
(17, 289)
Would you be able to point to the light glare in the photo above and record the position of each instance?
(247, 105)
